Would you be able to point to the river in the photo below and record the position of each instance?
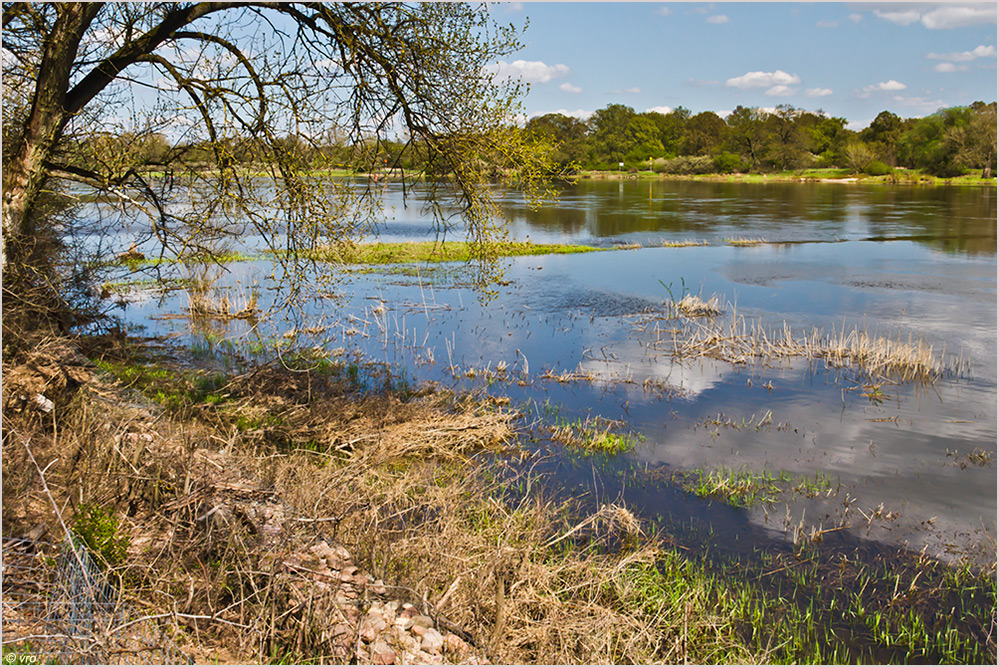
(907, 464)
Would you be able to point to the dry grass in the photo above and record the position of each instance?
(745, 242)
(686, 243)
(895, 359)
(204, 304)
(213, 504)
(693, 306)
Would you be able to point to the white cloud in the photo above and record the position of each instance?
(580, 114)
(533, 71)
(856, 18)
(718, 19)
(884, 86)
(818, 92)
(827, 24)
(950, 16)
(664, 11)
(763, 80)
(901, 17)
(921, 104)
(626, 91)
(944, 16)
(663, 110)
(950, 67)
(781, 91)
(858, 125)
(981, 51)
(569, 88)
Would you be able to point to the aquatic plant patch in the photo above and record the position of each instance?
(443, 251)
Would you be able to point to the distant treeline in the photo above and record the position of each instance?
(946, 143)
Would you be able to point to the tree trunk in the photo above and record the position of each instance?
(25, 175)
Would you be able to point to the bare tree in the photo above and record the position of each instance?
(88, 86)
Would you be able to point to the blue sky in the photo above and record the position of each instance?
(852, 60)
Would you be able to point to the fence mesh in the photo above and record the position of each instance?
(59, 607)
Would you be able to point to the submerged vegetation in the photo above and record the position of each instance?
(745, 488)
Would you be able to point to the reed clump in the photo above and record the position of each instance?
(686, 243)
(896, 359)
(694, 306)
(745, 242)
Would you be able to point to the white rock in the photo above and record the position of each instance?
(433, 641)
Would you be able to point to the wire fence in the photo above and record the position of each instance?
(59, 607)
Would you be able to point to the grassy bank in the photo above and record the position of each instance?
(213, 491)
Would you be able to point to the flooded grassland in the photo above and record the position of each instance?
(794, 383)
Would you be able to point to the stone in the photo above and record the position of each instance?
(425, 621)
(418, 630)
(370, 627)
(416, 658)
(404, 640)
(404, 622)
(378, 586)
(454, 644)
(433, 641)
(382, 653)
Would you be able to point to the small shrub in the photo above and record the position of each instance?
(686, 164)
(877, 168)
(98, 529)
(726, 163)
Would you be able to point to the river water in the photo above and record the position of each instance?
(907, 464)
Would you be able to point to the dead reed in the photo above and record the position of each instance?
(745, 242)
(895, 359)
(665, 243)
(693, 306)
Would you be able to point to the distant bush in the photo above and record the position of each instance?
(877, 168)
(686, 164)
(726, 163)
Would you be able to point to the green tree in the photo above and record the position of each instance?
(747, 134)
(671, 128)
(825, 136)
(974, 144)
(882, 136)
(857, 155)
(567, 134)
(643, 139)
(228, 73)
(934, 142)
(705, 134)
(786, 140)
(610, 140)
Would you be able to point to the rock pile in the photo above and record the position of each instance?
(368, 626)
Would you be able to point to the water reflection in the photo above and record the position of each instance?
(953, 219)
(583, 313)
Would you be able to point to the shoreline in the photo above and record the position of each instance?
(906, 178)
